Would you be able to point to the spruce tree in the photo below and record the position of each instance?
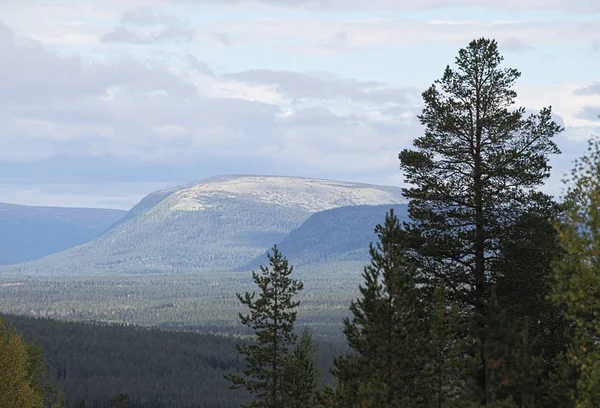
(301, 375)
(272, 317)
(475, 170)
(387, 331)
(577, 276)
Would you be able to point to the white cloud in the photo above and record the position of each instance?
(327, 35)
(130, 109)
(404, 5)
(147, 26)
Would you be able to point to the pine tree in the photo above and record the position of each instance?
(386, 332)
(577, 275)
(301, 376)
(476, 169)
(272, 317)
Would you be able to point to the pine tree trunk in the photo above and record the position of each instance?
(274, 403)
(480, 309)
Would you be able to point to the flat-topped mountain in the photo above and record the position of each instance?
(216, 224)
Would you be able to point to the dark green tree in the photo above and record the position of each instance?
(272, 317)
(386, 332)
(529, 248)
(120, 401)
(476, 169)
(301, 375)
(445, 384)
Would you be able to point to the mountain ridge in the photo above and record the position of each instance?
(213, 224)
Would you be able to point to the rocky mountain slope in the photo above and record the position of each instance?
(28, 232)
(215, 224)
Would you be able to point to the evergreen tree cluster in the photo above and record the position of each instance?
(488, 295)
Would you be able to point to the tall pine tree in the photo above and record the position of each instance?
(476, 169)
(272, 317)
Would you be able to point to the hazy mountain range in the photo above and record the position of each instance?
(227, 223)
(34, 232)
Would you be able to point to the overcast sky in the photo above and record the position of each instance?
(102, 102)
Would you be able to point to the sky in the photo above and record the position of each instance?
(105, 101)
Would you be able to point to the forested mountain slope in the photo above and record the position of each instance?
(336, 235)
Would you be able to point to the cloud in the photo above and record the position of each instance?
(324, 86)
(222, 38)
(126, 109)
(127, 35)
(592, 89)
(136, 28)
(515, 45)
(407, 5)
(334, 34)
(590, 113)
(146, 16)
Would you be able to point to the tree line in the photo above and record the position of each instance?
(487, 297)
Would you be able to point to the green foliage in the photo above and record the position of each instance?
(447, 382)
(272, 317)
(476, 169)
(120, 401)
(577, 275)
(19, 386)
(301, 375)
(157, 368)
(386, 332)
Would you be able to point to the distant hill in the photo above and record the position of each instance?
(28, 233)
(215, 224)
(336, 235)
